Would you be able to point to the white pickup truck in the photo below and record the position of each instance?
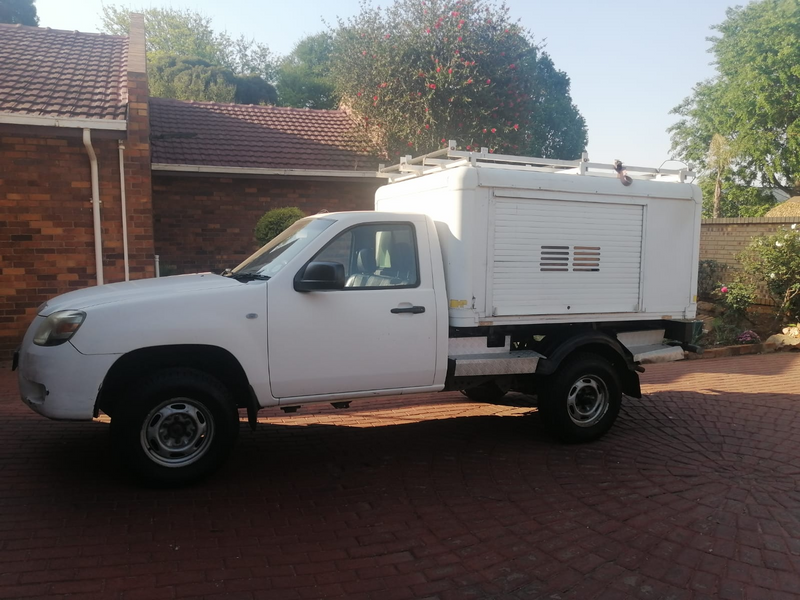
(476, 272)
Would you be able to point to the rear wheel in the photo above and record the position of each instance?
(176, 427)
(581, 400)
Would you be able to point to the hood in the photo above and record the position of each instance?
(127, 291)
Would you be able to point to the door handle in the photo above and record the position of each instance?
(414, 310)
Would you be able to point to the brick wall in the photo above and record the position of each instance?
(206, 223)
(722, 239)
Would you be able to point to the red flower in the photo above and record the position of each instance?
(438, 69)
(488, 81)
(410, 144)
(374, 97)
(387, 36)
(484, 131)
(421, 74)
(512, 66)
(469, 147)
(507, 30)
(364, 53)
(449, 71)
(516, 126)
(494, 130)
(469, 81)
(359, 93)
(427, 126)
(459, 38)
(455, 14)
(443, 141)
(383, 85)
(432, 86)
(428, 30)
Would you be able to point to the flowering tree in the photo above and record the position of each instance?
(422, 72)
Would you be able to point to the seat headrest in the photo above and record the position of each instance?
(365, 261)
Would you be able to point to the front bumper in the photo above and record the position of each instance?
(58, 381)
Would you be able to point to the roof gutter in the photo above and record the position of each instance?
(42, 121)
(258, 171)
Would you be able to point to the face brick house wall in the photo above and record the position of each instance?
(46, 227)
(206, 223)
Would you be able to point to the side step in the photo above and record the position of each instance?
(473, 358)
(647, 346)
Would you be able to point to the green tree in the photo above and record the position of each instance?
(736, 200)
(753, 100)
(191, 61)
(304, 76)
(22, 12)
(196, 79)
(422, 72)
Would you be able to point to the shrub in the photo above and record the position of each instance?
(736, 298)
(775, 261)
(275, 221)
(709, 274)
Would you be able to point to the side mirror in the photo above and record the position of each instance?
(320, 276)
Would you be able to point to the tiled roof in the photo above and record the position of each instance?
(54, 73)
(238, 135)
(788, 208)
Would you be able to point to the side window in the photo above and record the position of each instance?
(339, 250)
(376, 256)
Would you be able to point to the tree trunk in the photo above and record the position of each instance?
(717, 195)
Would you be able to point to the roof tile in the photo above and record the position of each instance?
(238, 135)
(48, 72)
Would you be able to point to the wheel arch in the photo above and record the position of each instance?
(595, 342)
(213, 360)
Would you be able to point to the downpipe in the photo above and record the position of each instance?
(124, 209)
(98, 234)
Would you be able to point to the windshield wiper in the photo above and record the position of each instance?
(246, 276)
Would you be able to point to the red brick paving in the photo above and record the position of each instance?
(694, 494)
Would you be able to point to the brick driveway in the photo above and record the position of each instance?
(694, 494)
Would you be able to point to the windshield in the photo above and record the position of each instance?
(278, 252)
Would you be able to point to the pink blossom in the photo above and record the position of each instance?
(432, 86)
(488, 81)
(427, 126)
(494, 130)
(516, 126)
(724, 290)
(374, 97)
(443, 141)
(438, 69)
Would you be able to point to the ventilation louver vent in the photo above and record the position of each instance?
(561, 258)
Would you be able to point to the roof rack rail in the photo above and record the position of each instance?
(450, 157)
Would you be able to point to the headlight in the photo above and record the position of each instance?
(59, 327)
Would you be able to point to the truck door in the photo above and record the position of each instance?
(378, 333)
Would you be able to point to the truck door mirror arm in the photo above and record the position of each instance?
(320, 276)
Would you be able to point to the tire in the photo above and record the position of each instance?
(581, 400)
(175, 428)
(487, 393)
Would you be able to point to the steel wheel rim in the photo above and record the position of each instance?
(587, 401)
(177, 432)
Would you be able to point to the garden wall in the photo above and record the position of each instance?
(722, 239)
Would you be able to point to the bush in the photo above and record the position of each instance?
(775, 261)
(709, 274)
(736, 298)
(275, 221)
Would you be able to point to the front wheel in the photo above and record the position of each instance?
(581, 400)
(176, 427)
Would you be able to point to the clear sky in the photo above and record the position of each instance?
(630, 61)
